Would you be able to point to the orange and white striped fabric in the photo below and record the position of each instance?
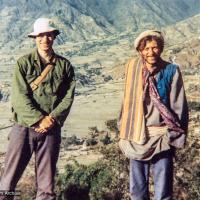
(132, 123)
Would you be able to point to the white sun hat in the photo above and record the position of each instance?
(43, 25)
(147, 33)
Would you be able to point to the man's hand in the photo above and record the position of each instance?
(45, 124)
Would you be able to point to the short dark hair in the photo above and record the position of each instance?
(144, 40)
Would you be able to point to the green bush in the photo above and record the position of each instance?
(112, 125)
(187, 161)
(99, 181)
(106, 139)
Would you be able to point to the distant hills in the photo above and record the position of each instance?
(83, 20)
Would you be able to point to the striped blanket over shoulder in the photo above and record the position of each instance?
(132, 123)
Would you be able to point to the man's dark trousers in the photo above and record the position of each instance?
(23, 142)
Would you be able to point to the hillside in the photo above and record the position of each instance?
(84, 20)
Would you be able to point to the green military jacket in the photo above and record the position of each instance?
(54, 96)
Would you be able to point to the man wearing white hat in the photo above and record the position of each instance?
(154, 117)
(42, 94)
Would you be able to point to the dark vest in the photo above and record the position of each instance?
(164, 80)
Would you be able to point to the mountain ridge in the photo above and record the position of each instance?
(84, 20)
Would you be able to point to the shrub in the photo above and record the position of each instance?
(99, 181)
(188, 163)
(112, 125)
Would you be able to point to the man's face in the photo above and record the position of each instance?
(44, 41)
(151, 53)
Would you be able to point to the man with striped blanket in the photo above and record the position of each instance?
(154, 117)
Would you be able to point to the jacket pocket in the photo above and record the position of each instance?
(57, 83)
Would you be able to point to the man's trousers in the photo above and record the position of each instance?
(23, 142)
(162, 170)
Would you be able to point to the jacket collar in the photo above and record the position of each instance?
(37, 59)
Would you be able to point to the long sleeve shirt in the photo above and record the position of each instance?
(54, 96)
